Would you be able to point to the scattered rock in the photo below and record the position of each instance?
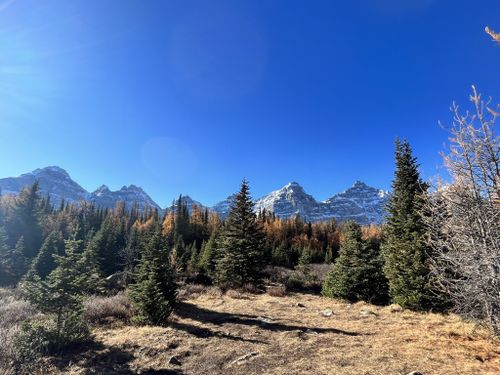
(294, 333)
(173, 345)
(395, 308)
(327, 313)
(174, 361)
(298, 304)
(311, 332)
(415, 373)
(367, 313)
(244, 358)
(265, 319)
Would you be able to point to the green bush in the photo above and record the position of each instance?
(43, 336)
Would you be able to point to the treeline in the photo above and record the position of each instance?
(32, 231)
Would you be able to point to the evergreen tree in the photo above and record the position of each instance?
(154, 290)
(14, 263)
(241, 251)
(45, 262)
(4, 253)
(193, 264)
(26, 221)
(357, 272)
(108, 244)
(60, 295)
(403, 247)
(208, 256)
(305, 257)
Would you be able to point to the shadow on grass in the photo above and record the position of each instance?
(207, 333)
(95, 358)
(191, 311)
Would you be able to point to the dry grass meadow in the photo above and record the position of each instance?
(238, 333)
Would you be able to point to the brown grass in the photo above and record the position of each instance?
(262, 334)
(13, 310)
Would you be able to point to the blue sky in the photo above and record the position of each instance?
(192, 96)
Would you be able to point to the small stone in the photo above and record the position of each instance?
(265, 319)
(415, 373)
(174, 361)
(298, 304)
(366, 313)
(395, 308)
(311, 332)
(244, 358)
(327, 313)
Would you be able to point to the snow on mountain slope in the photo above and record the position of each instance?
(130, 195)
(291, 200)
(361, 203)
(53, 181)
(186, 200)
(222, 208)
(57, 183)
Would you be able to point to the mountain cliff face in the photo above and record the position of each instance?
(361, 203)
(54, 181)
(291, 200)
(128, 194)
(57, 183)
(222, 208)
(187, 201)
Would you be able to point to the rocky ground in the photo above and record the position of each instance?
(240, 333)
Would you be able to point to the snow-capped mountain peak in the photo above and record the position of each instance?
(58, 185)
(103, 189)
(53, 181)
(360, 202)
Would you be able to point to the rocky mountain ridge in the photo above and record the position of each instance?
(361, 203)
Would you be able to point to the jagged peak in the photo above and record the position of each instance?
(51, 168)
(101, 189)
(132, 187)
(291, 186)
(359, 183)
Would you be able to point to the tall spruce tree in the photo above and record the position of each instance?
(403, 247)
(154, 290)
(4, 253)
(241, 252)
(357, 272)
(45, 261)
(208, 256)
(26, 221)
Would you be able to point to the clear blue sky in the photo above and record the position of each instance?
(191, 96)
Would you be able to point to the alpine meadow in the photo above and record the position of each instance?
(387, 111)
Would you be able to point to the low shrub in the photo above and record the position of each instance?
(99, 310)
(237, 294)
(13, 310)
(276, 290)
(308, 277)
(191, 290)
(250, 288)
(41, 336)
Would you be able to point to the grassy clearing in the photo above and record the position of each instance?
(242, 333)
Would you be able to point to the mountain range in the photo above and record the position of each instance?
(361, 203)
